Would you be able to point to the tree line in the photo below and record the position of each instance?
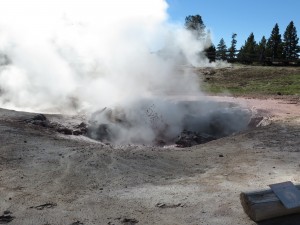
(276, 48)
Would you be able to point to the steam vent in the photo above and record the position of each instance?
(161, 123)
(180, 123)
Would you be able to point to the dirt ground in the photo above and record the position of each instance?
(50, 178)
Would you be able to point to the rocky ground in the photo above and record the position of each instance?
(47, 177)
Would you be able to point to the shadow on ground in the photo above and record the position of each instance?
(284, 220)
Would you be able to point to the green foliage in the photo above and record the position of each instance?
(248, 52)
(261, 49)
(232, 49)
(196, 25)
(221, 50)
(269, 51)
(211, 53)
(274, 44)
(290, 42)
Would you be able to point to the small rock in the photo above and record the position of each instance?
(39, 120)
(190, 138)
(6, 218)
(77, 223)
(40, 117)
(221, 155)
(44, 206)
(64, 130)
(82, 125)
(6, 212)
(127, 221)
(81, 129)
(164, 205)
(77, 132)
(160, 205)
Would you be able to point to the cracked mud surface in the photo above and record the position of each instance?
(50, 178)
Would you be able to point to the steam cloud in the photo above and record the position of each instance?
(85, 55)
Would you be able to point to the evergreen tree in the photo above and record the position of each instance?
(261, 48)
(274, 44)
(232, 49)
(211, 53)
(248, 52)
(221, 50)
(290, 42)
(196, 25)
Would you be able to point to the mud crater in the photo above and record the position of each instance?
(200, 123)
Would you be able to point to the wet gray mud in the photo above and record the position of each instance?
(200, 122)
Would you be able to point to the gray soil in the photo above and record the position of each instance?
(51, 178)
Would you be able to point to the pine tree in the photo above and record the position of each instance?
(211, 53)
(221, 50)
(290, 42)
(261, 48)
(248, 52)
(232, 49)
(196, 25)
(274, 44)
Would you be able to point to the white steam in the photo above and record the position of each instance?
(90, 53)
(66, 55)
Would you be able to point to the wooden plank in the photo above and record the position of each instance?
(288, 194)
(262, 205)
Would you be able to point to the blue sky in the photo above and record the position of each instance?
(224, 17)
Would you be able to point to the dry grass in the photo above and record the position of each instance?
(251, 80)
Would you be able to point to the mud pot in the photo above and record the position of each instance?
(53, 172)
(200, 122)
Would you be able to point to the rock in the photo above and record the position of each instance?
(80, 129)
(77, 223)
(190, 138)
(39, 120)
(81, 125)
(6, 217)
(164, 205)
(44, 206)
(77, 132)
(127, 221)
(254, 121)
(40, 117)
(264, 122)
(64, 130)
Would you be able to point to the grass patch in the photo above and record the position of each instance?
(253, 80)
